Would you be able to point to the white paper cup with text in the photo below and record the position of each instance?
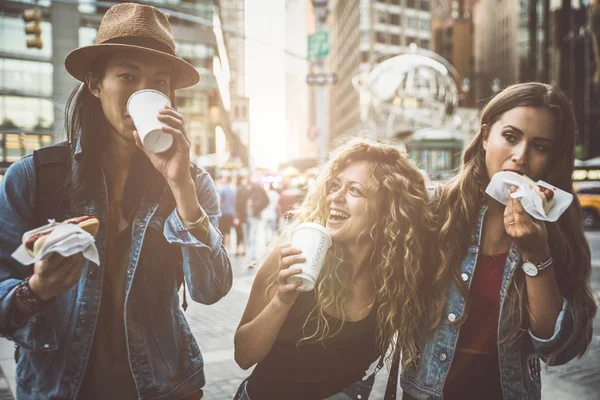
(143, 107)
(314, 241)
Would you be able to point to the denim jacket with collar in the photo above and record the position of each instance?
(519, 365)
(165, 360)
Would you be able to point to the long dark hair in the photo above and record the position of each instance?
(86, 123)
(457, 207)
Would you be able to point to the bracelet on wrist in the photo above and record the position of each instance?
(29, 298)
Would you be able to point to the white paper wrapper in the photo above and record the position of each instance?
(65, 239)
(532, 203)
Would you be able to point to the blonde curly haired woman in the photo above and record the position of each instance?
(319, 344)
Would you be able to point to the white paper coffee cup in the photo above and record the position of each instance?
(314, 241)
(143, 107)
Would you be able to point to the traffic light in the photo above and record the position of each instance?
(33, 15)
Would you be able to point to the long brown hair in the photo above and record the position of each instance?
(402, 226)
(458, 202)
(86, 124)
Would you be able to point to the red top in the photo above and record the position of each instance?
(480, 331)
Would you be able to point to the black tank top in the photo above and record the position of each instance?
(314, 370)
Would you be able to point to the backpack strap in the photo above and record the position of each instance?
(392, 384)
(51, 179)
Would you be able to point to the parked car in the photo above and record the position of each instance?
(588, 194)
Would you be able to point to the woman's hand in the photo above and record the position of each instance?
(529, 234)
(56, 274)
(173, 164)
(286, 292)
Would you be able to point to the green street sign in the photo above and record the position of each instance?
(318, 45)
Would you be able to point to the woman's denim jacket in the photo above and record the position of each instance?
(55, 345)
(519, 365)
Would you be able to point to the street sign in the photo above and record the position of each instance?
(318, 45)
(321, 79)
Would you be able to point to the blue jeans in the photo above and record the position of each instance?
(253, 224)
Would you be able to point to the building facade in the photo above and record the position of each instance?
(34, 85)
(234, 29)
(452, 38)
(299, 97)
(363, 34)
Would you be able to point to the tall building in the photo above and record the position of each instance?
(452, 28)
(234, 29)
(519, 41)
(34, 85)
(363, 34)
(499, 46)
(299, 142)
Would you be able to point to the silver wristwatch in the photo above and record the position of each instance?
(533, 269)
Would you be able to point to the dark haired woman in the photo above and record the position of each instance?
(510, 289)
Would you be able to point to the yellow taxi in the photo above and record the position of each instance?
(587, 188)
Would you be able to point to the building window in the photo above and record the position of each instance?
(411, 22)
(425, 43)
(425, 5)
(381, 37)
(18, 114)
(26, 77)
(395, 19)
(411, 3)
(382, 17)
(395, 39)
(198, 54)
(14, 40)
(87, 36)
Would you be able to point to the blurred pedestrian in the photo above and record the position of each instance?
(511, 290)
(114, 330)
(256, 202)
(270, 214)
(227, 201)
(315, 344)
(241, 216)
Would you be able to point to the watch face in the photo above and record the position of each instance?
(530, 269)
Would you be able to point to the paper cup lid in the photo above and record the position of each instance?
(149, 91)
(312, 225)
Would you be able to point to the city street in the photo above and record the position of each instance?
(214, 327)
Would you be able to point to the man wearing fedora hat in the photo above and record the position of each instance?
(113, 331)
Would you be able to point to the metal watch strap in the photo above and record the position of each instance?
(29, 298)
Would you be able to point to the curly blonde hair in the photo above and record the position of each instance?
(402, 226)
(458, 202)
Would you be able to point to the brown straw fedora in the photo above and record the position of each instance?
(130, 26)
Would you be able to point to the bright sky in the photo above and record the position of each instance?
(265, 80)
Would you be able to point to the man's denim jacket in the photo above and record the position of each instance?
(519, 365)
(55, 345)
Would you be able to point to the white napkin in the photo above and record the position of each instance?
(532, 203)
(66, 240)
